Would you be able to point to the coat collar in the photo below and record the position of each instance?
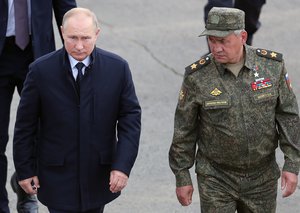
(66, 62)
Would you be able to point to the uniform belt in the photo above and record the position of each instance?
(254, 168)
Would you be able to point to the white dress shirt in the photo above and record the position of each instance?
(73, 63)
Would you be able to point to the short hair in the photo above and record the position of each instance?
(77, 10)
(238, 32)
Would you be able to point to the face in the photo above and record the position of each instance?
(80, 36)
(227, 49)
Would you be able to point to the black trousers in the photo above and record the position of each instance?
(98, 210)
(252, 9)
(13, 69)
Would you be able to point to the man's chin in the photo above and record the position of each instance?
(79, 57)
(221, 60)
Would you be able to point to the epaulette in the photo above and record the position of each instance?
(269, 54)
(202, 62)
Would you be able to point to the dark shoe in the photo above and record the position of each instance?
(26, 203)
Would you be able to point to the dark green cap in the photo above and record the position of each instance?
(222, 21)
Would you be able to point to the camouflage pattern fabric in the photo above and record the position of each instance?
(235, 123)
(246, 191)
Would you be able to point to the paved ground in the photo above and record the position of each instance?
(159, 38)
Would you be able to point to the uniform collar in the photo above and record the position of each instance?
(249, 61)
(249, 57)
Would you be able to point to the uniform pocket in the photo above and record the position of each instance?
(216, 110)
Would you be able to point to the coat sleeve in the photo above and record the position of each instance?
(287, 118)
(25, 132)
(183, 147)
(128, 126)
(60, 7)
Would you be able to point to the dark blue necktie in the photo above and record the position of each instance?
(21, 23)
(79, 67)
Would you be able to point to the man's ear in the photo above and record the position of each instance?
(98, 32)
(244, 36)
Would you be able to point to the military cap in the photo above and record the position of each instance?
(222, 21)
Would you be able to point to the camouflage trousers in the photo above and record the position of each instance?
(227, 191)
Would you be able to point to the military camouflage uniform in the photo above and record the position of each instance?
(236, 124)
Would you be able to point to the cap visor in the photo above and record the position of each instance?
(217, 33)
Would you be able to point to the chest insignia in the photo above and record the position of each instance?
(261, 84)
(255, 72)
(216, 92)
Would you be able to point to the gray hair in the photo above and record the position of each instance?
(85, 11)
(238, 32)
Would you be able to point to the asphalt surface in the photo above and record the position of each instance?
(158, 39)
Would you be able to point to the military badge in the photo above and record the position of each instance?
(182, 95)
(193, 66)
(202, 62)
(261, 84)
(255, 70)
(269, 54)
(288, 82)
(216, 92)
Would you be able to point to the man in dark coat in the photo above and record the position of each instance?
(83, 101)
(36, 17)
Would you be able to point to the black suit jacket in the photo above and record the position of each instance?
(82, 136)
(41, 23)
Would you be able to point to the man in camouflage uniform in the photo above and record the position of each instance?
(235, 105)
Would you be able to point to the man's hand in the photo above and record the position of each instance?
(30, 185)
(289, 183)
(118, 181)
(184, 194)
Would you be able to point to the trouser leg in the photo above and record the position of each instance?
(215, 196)
(6, 93)
(224, 190)
(97, 210)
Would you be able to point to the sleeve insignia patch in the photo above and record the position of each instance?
(288, 82)
(182, 95)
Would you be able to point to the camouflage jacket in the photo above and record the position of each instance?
(235, 121)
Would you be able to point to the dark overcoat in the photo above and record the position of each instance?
(82, 137)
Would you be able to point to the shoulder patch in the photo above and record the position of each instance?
(202, 62)
(269, 54)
